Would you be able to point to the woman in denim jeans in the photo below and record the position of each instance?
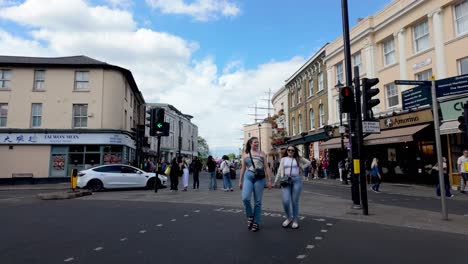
(253, 159)
(291, 165)
(211, 164)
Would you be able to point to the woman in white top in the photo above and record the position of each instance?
(185, 174)
(289, 175)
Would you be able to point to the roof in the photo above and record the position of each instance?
(80, 61)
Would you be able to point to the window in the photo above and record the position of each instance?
(109, 169)
(293, 98)
(39, 78)
(299, 123)
(357, 61)
(320, 82)
(299, 95)
(3, 114)
(389, 52)
(424, 76)
(311, 87)
(131, 100)
(80, 115)
(339, 73)
(293, 124)
(461, 17)
(312, 119)
(82, 80)
(421, 37)
(5, 76)
(463, 65)
(36, 115)
(337, 108)
(392, 95)
(322, 115)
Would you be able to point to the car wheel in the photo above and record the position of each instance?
(95, 185)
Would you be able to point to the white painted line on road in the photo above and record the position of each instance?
(318, 194)
(173, 220)
(329, 224)
(319, 219)
(301, 256)
(123, 239)
(142, 231)
(159, 225)
(186, 215)
(318, 238)
(197, 211)
(98, 249)
(310, 246)
(68, 259)
(323, 230)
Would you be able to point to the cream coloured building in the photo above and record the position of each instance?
(57, 114)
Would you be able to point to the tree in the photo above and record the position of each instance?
(203, 149)
(231, 156)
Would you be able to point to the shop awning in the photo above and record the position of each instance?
(391, 136)
(450, 127)
(333, 143)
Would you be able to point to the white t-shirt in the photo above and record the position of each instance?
(461, 163)
(287, 167)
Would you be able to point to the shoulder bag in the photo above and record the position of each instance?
(259, 173)
(286, 182)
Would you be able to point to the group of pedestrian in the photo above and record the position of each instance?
(179, 167)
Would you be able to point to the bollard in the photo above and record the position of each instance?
(74, 179)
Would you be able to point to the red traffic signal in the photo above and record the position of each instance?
(346, 99)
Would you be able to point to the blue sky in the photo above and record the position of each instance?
(212, 59)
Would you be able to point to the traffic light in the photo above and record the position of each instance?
(463, 119)
(159, 121)
(150, 118)
(346, 99)
(367, 93)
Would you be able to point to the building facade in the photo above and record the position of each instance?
(58, 114)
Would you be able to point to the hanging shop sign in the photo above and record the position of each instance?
(408, 119)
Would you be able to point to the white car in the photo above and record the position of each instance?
(117, 176)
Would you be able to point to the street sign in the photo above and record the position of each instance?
(412, 82)
(416, 97)
(372, 127)
(452, 86)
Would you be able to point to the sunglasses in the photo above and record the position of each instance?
(291, 150)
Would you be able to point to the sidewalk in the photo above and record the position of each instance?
(38, 186)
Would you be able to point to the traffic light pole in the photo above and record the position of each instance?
(360, 145)
(157, 165)
(352, 114)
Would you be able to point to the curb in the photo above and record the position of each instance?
(63, 195)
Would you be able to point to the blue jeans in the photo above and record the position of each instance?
(375, 182)
(227, 181)
(290, 194)
(256, 186)
(212, 180)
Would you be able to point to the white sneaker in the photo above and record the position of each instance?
(286, 223)
(295, 225)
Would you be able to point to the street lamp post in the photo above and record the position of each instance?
(259, 137)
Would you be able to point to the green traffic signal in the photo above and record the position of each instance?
(159, 125)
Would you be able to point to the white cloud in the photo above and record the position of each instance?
(201, 10)
(162, 64)
(120, 3)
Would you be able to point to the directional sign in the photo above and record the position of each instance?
(372, 127)
(416, 97)
(452, 86)
(412, 82)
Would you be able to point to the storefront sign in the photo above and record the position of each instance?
(406, 119)
(65, 139)
(451, 110)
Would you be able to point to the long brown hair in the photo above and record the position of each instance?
(248, 145)
(296, 155)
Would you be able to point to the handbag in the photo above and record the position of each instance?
(168, 170)
(286, 182)
(259, 173)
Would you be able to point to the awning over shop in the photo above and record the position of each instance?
(333, 143)
(450, 127)
(308, 138)
(391, 136)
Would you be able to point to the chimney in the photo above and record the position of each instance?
(360, 19)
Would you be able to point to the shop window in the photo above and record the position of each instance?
(76, 148)
(112, 154)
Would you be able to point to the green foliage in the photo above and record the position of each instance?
(203, 149)
(231, 156)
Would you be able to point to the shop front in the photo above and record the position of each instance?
(52, 156)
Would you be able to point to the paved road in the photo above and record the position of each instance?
(91, 231)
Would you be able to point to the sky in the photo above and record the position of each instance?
(212, 59)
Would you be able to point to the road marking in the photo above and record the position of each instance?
(98, 249)
(329, 224)
(68, 259)
(465, 215)
(301, 256)
(197, 211)
(142, 231)
(310, 246)
(123, 239)
(159, 225)
(173, 220)
(186, 215)
(382, 200)
(323, 230)
(319, 219)
(318, 238)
